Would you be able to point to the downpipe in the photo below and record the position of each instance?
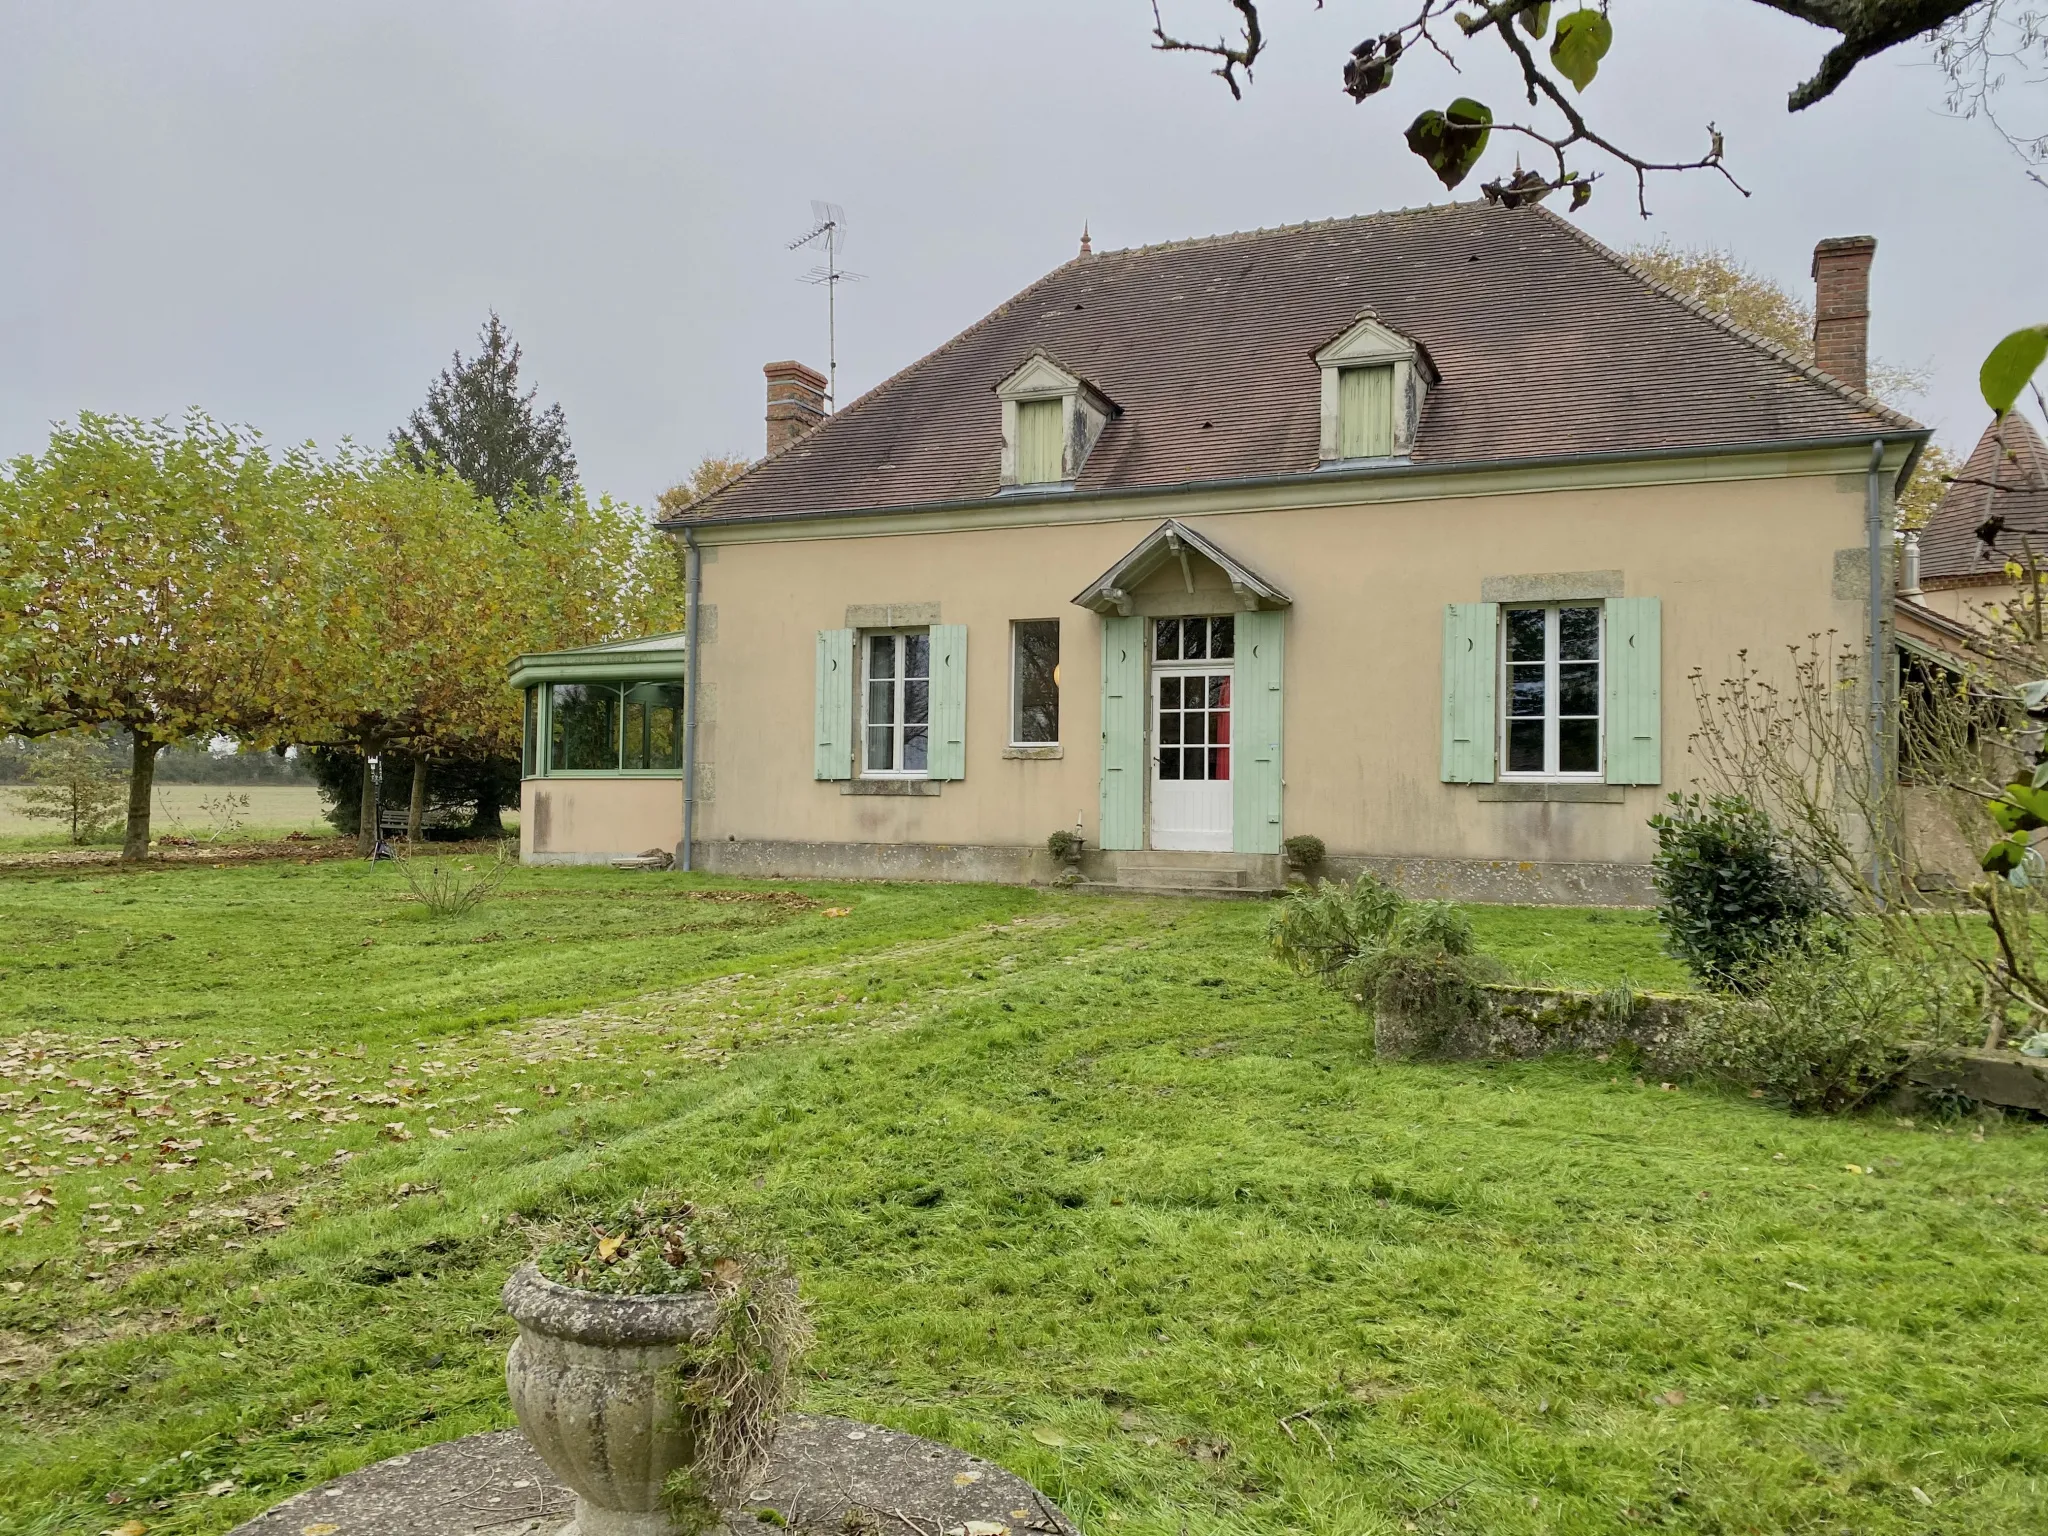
(1878, 665)
(693, 582)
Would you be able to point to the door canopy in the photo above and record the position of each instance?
(1113, 591)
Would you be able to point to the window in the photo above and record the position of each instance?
(1365, 412)
(1035, 683)
(1194, 639)
(1038, 442)
(1552, 691)
(529, 760)
(654, 727)
(583, 727)
(897, 718)
(605, 728)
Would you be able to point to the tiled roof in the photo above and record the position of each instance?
(2012, 454)
(1548, 343)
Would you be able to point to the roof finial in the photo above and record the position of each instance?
(1087, 248)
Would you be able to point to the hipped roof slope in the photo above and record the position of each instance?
(1548, 344)
(2007, 477)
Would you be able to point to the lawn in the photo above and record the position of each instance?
(1087, 1185)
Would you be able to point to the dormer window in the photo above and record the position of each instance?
(1374, 381)
(1051, 419)
(1365, 412)
(1039, 442)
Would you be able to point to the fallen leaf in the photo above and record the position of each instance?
(1852, 1168)
(319, 1528)
(1921, 1494)
(1051, 1437)
(1794, 1285)
(1674, 1398)
(125, 1528)
(608, 1247)
(837, 912)
(395, 1131)
(221, 1489)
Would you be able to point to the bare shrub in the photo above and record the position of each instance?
(452, 887)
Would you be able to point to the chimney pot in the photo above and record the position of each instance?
(796, 402)
(1841, 308)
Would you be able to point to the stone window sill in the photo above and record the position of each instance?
(1540, 793)
(1046, 753)
(911, 787)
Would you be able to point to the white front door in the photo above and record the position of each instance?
(1191, 756)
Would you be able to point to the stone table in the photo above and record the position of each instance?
(827, 1475)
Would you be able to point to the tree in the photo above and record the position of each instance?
(712, 471)
(72, 782)
(427, 592)
(149, 575)
(1451, 139)
(1718, 282)
(476, 423)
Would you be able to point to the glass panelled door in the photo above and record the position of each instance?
(1191, 737)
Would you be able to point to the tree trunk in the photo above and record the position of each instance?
(141, 781)
(366, 805)
(419, 803)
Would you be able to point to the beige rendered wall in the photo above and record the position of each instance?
(590, 820)
(1969, 604)
(1739, 564)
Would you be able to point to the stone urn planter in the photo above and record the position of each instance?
(594, 1381)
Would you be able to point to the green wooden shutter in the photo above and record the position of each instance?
(948, 755)
(834, 734)
(1038, 441)
(1470, 667)
(1123, 733)
(1365, 412)
(1635, 694)
(1255, 733)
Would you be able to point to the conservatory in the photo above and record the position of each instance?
(602, 767)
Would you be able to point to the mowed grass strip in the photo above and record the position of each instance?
(1089, 1186)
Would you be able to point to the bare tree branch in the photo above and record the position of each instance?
(1865, 28)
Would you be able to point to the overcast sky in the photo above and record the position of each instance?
(290, 214)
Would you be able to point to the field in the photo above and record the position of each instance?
(1091, 1186)
(181, 810)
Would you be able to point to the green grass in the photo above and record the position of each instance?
(1087, 1185)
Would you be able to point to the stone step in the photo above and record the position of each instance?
(1182, 877)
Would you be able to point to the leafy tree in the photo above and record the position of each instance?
(712, 471)
(426, 595)
(72, 781)
(476, 423)
(1559, 56)
(149, 573)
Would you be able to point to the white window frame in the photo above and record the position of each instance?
(896, 726)
(1505, 693)
(1016, 691)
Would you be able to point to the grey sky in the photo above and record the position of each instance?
(289, 214)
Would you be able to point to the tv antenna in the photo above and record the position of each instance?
(828, 225)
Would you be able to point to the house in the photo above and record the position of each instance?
(1406, 531)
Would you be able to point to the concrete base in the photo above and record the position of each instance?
(827, 1475)
(1149, 870)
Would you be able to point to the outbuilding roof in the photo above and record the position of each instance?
(2006, 479)
(1548, 343)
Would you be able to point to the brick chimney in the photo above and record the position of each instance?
(1841, 308)
(796, 402)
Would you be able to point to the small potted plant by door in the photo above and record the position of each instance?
(1065, 847)
(1305, 855)
(653, 1356)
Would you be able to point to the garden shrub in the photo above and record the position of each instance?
(1735, 898)
(1830, 1028)
(1413, 963)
